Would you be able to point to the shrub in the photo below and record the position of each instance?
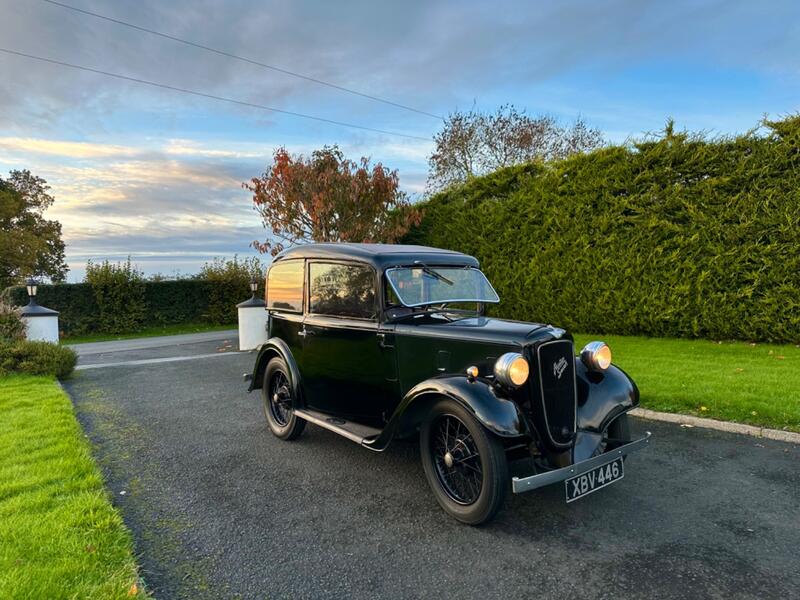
(229, 284)
(12, 327)
(36, 358)
(119, 295)
(678, 235)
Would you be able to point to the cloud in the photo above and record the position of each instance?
(183, 147)
(63, 148)
(427, 54)
(151, 200)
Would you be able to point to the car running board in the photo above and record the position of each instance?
(355, 432)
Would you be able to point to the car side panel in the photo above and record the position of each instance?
(421, 356)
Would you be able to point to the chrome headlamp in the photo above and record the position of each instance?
(511, 369)
(596, 356)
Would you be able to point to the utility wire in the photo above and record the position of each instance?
(211, 96)
(242, 58)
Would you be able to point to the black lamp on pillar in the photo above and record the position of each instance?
(32, 286)
(253, 285)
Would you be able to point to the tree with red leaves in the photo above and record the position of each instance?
(329, 198)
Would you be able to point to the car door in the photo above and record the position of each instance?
(343, 354)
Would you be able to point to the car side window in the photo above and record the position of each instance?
(285, 286)
(342, 290)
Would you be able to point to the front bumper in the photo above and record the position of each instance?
(526, 484)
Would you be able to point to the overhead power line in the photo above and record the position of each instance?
(211, 96)
(243, 59)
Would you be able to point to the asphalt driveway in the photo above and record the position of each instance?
(220, 508)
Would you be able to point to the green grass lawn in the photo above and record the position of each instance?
(758, 384)
(60, 537)
(149, 332)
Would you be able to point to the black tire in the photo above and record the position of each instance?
(276, 393)
(465, 467)
(620, 428)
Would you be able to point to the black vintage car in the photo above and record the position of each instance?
(376, 342)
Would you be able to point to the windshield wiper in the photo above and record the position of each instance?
(436, 275)
(447, 313)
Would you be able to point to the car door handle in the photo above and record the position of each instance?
(304, 332)
(382, 341)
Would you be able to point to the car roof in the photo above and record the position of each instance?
(380, 256)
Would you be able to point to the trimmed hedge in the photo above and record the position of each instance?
(678, 236)
(166, 302)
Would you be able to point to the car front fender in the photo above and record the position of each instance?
(499, 415)
(602, 397)
(267, 351)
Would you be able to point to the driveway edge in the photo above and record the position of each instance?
(727, 426)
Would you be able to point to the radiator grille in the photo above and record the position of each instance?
(557, 388)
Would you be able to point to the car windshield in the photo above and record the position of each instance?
(422, 285)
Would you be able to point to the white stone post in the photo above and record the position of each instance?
(253, 320)
(41, 324)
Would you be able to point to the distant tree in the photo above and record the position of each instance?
(29, 243)
(328, 198)
(475, 143)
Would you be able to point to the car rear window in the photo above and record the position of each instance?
(342, 290)
(285, 286)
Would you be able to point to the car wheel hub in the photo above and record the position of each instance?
(448, 460)
(281, 399)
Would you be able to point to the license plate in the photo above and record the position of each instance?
(591, 481)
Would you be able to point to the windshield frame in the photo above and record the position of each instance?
(442, 302)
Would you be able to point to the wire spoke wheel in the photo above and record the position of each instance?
(280, 399)
(457, 459)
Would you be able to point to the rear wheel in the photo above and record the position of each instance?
(276, 392)
(464, 464)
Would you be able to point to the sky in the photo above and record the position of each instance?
(156, 174)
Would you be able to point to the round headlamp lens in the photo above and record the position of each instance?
(518, 371)
(511, 369)
(596, 356)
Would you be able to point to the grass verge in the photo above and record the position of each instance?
(757, 384)
(60, 537)
(149, 332)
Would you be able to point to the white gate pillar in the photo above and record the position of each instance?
(253, 319)
(41, 324)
